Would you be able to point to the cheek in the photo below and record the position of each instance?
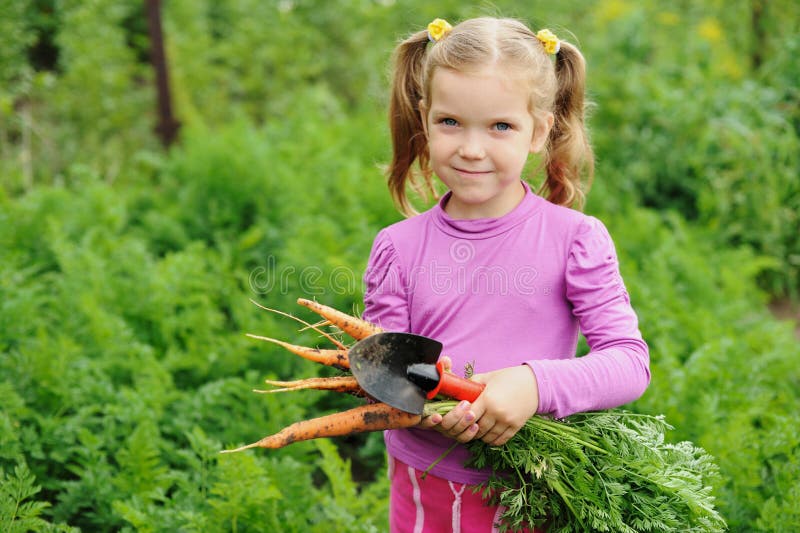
(439, 146)
(516, 155)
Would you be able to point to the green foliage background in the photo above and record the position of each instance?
(126, 272)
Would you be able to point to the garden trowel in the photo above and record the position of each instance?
(401, 369)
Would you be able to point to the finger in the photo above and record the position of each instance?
(486, 425)
(447, 363)
(468, 434)
(494, 433)
(430, 421)
(457, 420)
(468, 420)
(507, 435)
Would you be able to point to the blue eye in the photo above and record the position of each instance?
(449, 122)
(502, 126)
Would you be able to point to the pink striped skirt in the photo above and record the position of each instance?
(436, 505)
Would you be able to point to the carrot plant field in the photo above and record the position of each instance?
(131, 273)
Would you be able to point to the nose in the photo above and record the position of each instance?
(471, 147)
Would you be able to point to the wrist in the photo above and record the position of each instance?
(534, 387)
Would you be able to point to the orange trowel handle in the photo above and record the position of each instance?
(456, 387)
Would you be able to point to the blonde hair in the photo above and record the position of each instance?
(556, 87)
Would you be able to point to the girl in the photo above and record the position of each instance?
(504, 278)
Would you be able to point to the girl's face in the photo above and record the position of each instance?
(480, 132)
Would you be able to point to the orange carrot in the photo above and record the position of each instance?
(335, 384)
(335, 358)
(369, 417)
(355, 327)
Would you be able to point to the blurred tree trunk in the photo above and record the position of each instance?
(759, 34)
(167, 127)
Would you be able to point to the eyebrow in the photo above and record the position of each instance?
(440, 113)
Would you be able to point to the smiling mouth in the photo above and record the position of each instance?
(471, 172)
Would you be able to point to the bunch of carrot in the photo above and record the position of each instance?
(604, 471)
(369, 417)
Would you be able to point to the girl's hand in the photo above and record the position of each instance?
(511, 397)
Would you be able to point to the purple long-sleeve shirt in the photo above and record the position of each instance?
(507, 291)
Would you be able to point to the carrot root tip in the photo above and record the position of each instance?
(241, 448)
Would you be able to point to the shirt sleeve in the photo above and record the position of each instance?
(616, 370)
(385, 293)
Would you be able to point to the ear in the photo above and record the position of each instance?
(423, 116)
(541, 131)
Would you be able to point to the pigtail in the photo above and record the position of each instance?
(569, 153)
(408, 135)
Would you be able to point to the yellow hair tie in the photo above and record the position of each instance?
(551, 43)
(438, 29)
